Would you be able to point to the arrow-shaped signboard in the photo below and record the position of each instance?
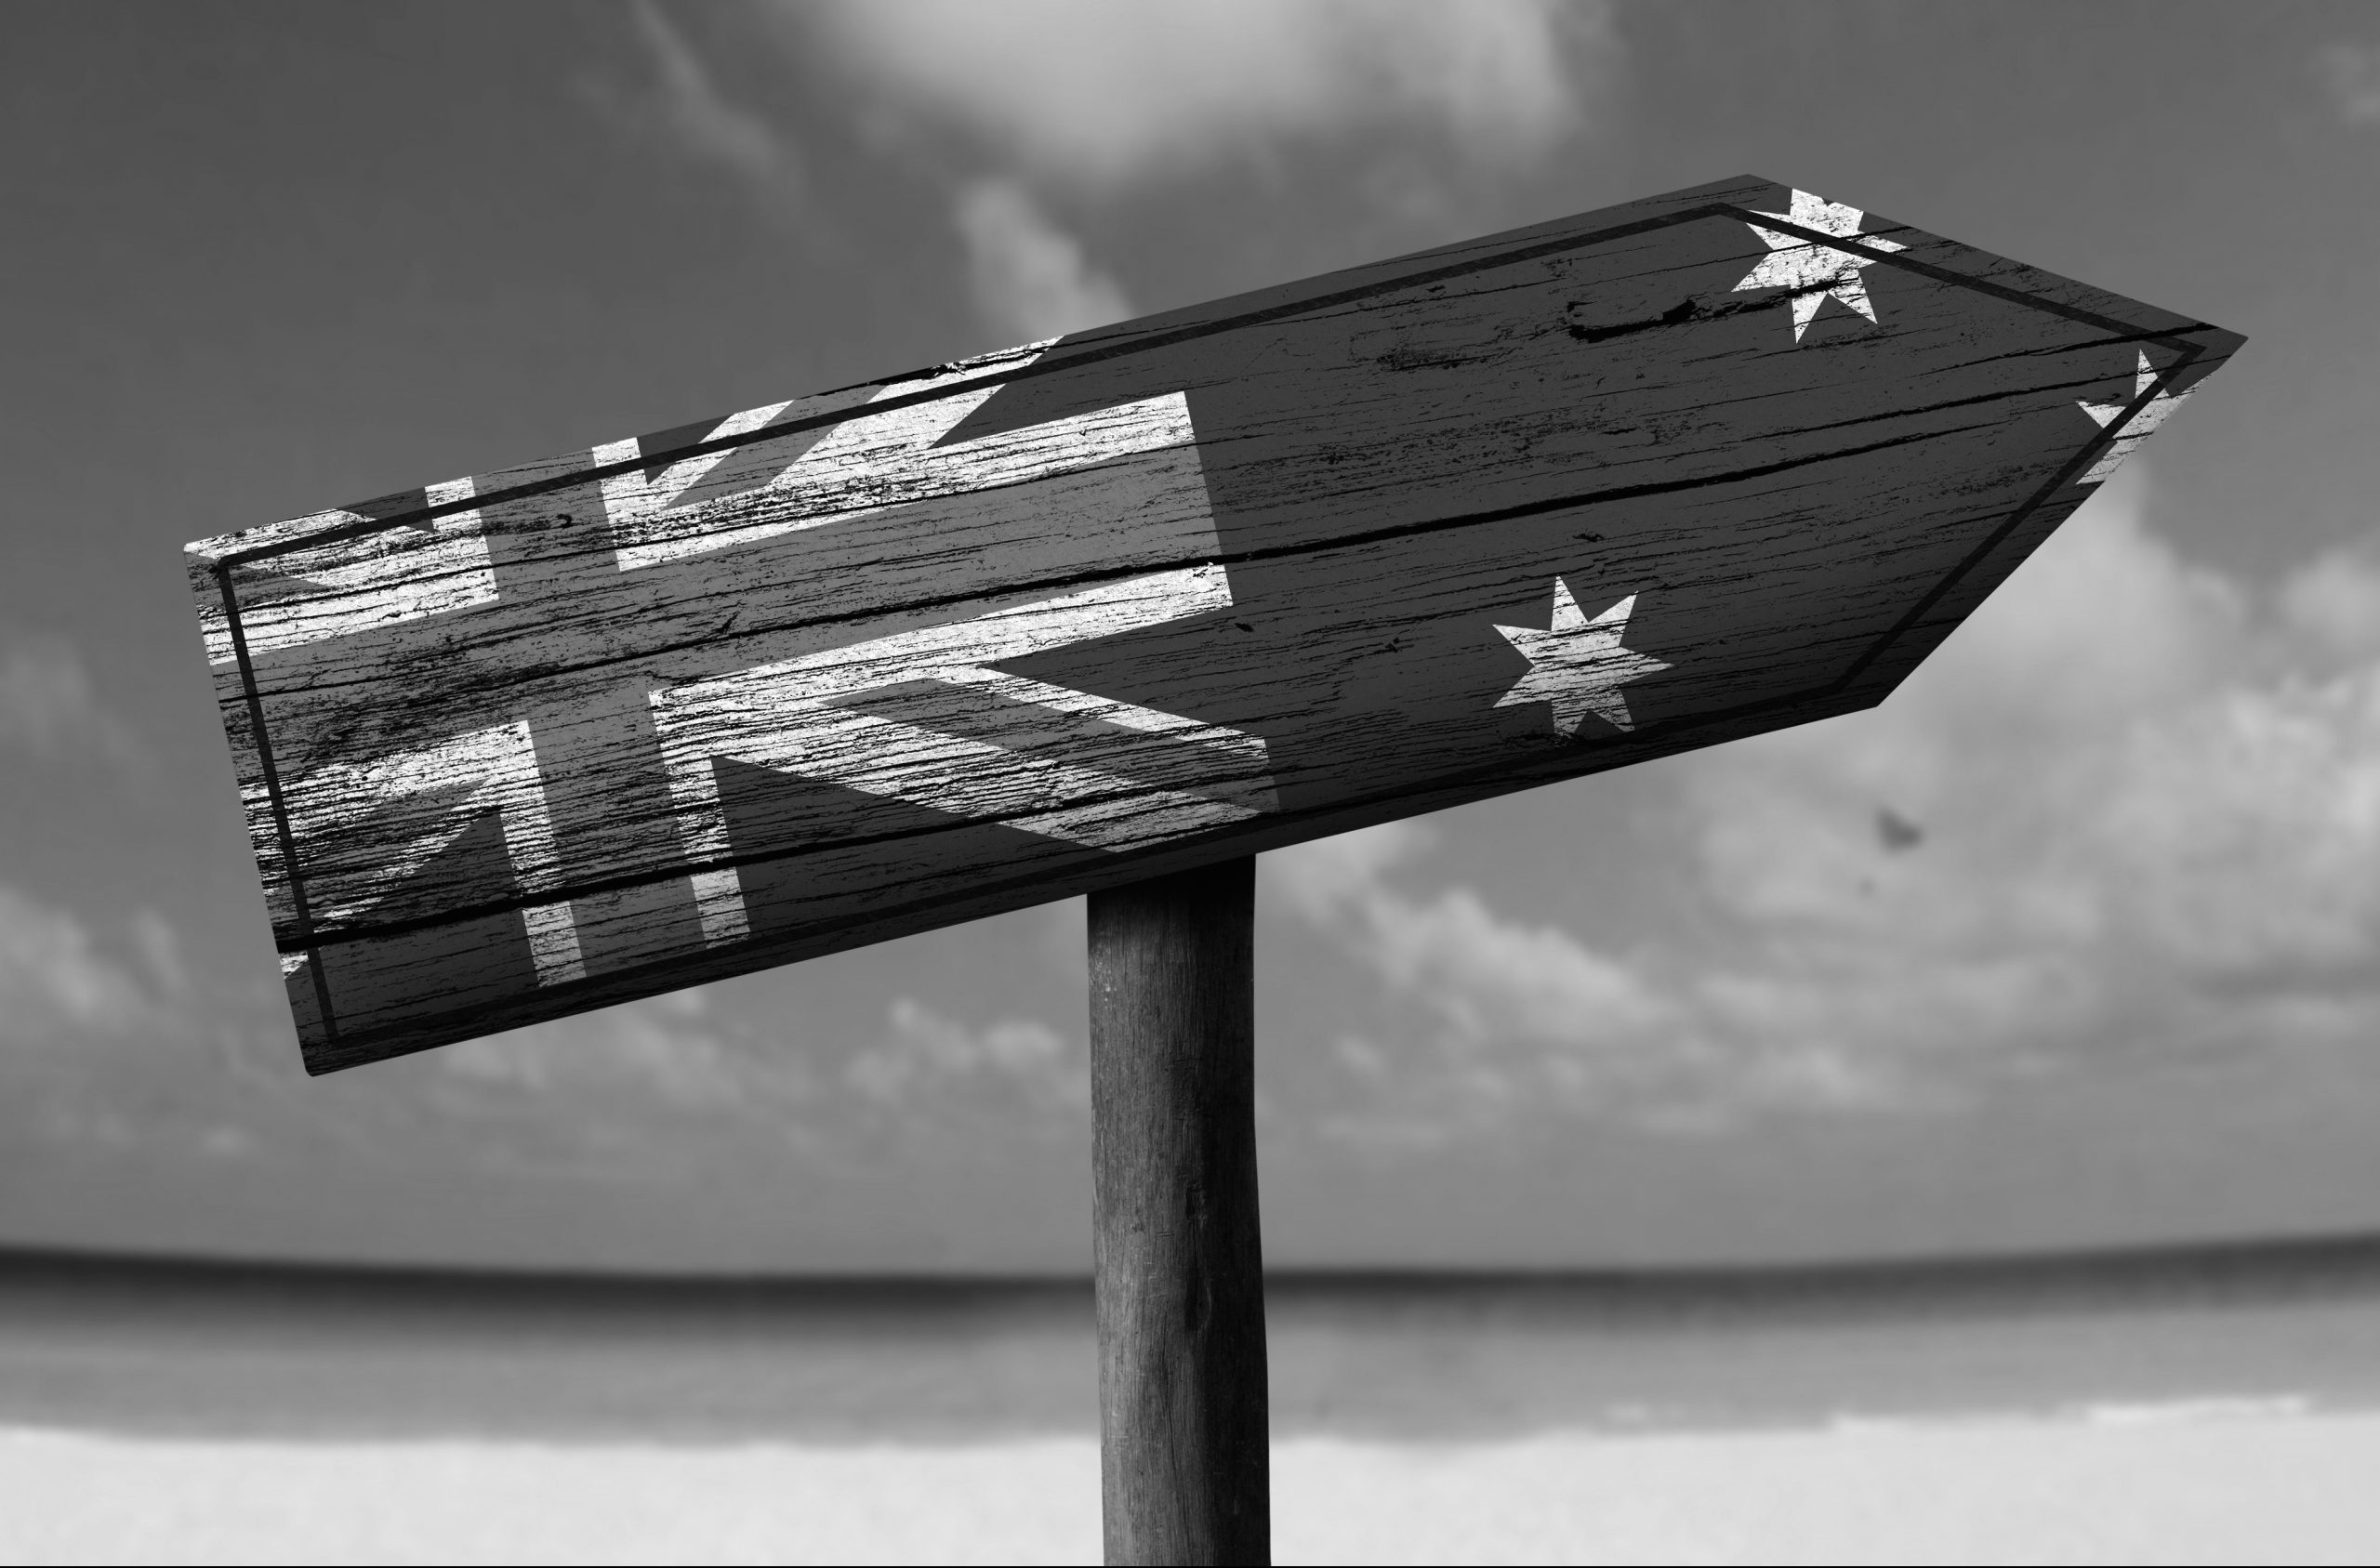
(839, 669)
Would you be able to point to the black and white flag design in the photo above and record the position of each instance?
(839, 669)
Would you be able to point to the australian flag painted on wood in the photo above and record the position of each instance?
(839, 669)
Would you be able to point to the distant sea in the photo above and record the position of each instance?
(2210, 1404)
(170, 1347)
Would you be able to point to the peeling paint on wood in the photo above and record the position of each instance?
(839, 669)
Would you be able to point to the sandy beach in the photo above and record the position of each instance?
(2190, 1407)
(2180, 1486)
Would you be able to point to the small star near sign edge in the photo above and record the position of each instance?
(2138, 429)
(1816, 272)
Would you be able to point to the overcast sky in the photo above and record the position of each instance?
(2075, 940)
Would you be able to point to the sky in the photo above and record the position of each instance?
(2073, 941)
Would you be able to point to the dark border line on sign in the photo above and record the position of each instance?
(514, 904)
(1908, 263)
(423, 1032)
(310, 940)
(263, 740)
(1455, 780)
(1647, 739)
(1043, 587)
(2078, 463)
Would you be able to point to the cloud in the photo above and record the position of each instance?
(674, 1085)
(2351, 74)
(1488, 1018)
(668, 1051)
(2140, 821)
(1101, 94)
(112, 1043)
(685, 109)
(925, 1058)
(1510, 1013)
(2131, 823)
(669, 1090)
(2336, 600)
(1487, 976)
(1029, 277)
(49, 708)
(55, 983)
(682, 1050)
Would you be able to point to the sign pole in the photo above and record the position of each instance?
(1184, 1468)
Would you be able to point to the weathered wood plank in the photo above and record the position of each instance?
(826, 672)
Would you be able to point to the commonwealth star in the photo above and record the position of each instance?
(1578, 664)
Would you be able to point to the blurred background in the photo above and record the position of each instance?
(2073, 944)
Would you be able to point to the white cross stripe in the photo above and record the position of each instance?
(553, 942)
(719, 900)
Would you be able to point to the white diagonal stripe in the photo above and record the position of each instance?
(630, 495)
(890, 459)
(1127, 716)
(956, 650)
(974, 778)
(455, 782)
(389, 575)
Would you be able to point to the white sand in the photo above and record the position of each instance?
(2231, 1485)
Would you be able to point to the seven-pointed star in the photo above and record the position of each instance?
(1579, 665)
(2144, 424)
(1815, 272)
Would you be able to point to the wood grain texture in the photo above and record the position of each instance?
(831, 671)
(1184, 1470)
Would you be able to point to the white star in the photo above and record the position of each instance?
(1579, 665)
(1815, 272)
(2143, 425)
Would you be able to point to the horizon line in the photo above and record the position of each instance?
(2335, 1258)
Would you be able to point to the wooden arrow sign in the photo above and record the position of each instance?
(839, 670)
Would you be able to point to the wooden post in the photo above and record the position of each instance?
(1184, 1470)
